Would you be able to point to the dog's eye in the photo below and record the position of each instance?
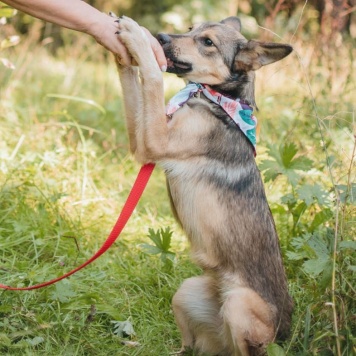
(208, 42)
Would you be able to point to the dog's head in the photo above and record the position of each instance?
(217, 54)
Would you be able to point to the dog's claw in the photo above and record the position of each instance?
(118, 21)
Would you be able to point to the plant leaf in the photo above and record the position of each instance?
(166, 238)
(347, 194)
(311, 193)
(123, 328)
(287, 153)
(320, 218)
(315, 266)
(63, 292)
(275, 350)
(345, 245)
(284, 162)
(151, 250)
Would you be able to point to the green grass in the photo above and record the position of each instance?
(65, 172)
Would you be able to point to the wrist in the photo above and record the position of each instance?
(96, 26)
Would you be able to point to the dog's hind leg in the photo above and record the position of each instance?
(196, 309)
(248, 321)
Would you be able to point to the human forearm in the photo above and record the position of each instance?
(80, 16)
(74, 14)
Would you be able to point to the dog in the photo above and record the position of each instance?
(241, 303)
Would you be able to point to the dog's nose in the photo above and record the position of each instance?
(163, 38)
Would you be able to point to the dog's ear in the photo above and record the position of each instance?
(232, 21)
(252, 55)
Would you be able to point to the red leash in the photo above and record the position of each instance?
(131, 202)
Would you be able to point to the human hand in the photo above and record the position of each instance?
(104, 31)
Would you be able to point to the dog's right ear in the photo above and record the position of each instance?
(252, 55)
(232, 21)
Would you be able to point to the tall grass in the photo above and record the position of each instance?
(65, 173)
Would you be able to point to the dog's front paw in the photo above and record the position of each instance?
(134, 38)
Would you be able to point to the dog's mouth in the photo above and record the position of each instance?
(178, 67)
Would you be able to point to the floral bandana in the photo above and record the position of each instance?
(240, 112)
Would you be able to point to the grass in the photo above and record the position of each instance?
(65, 173)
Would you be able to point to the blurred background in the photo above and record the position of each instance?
(322, 22)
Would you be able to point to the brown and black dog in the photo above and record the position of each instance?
(241, 302)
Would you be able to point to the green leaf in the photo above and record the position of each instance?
(326, 276)
(161, 238)
(315, 266)
(347, 193)
(287, 152)
(63, 292)
(289, 199)
(319, 246)
(311, 193)
(275, 350)
(166, 238)
(271, 168)
(295, 256)
(322, 262)
(345, 245)
(301, 164)
(155, 237)
(284, 162)
(298, 211)
(151, 250)
(320, 218)
(299, 242)
(123, 328)
(162, 244)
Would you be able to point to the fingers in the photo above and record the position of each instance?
(104, 30)
(157, 50)
(123, 56)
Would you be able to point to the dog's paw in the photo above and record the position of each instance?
(133, 37)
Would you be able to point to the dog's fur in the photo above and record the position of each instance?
(241, 302)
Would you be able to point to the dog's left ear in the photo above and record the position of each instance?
(232, 21)
(254, 54)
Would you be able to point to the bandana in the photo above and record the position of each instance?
(240, 112)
